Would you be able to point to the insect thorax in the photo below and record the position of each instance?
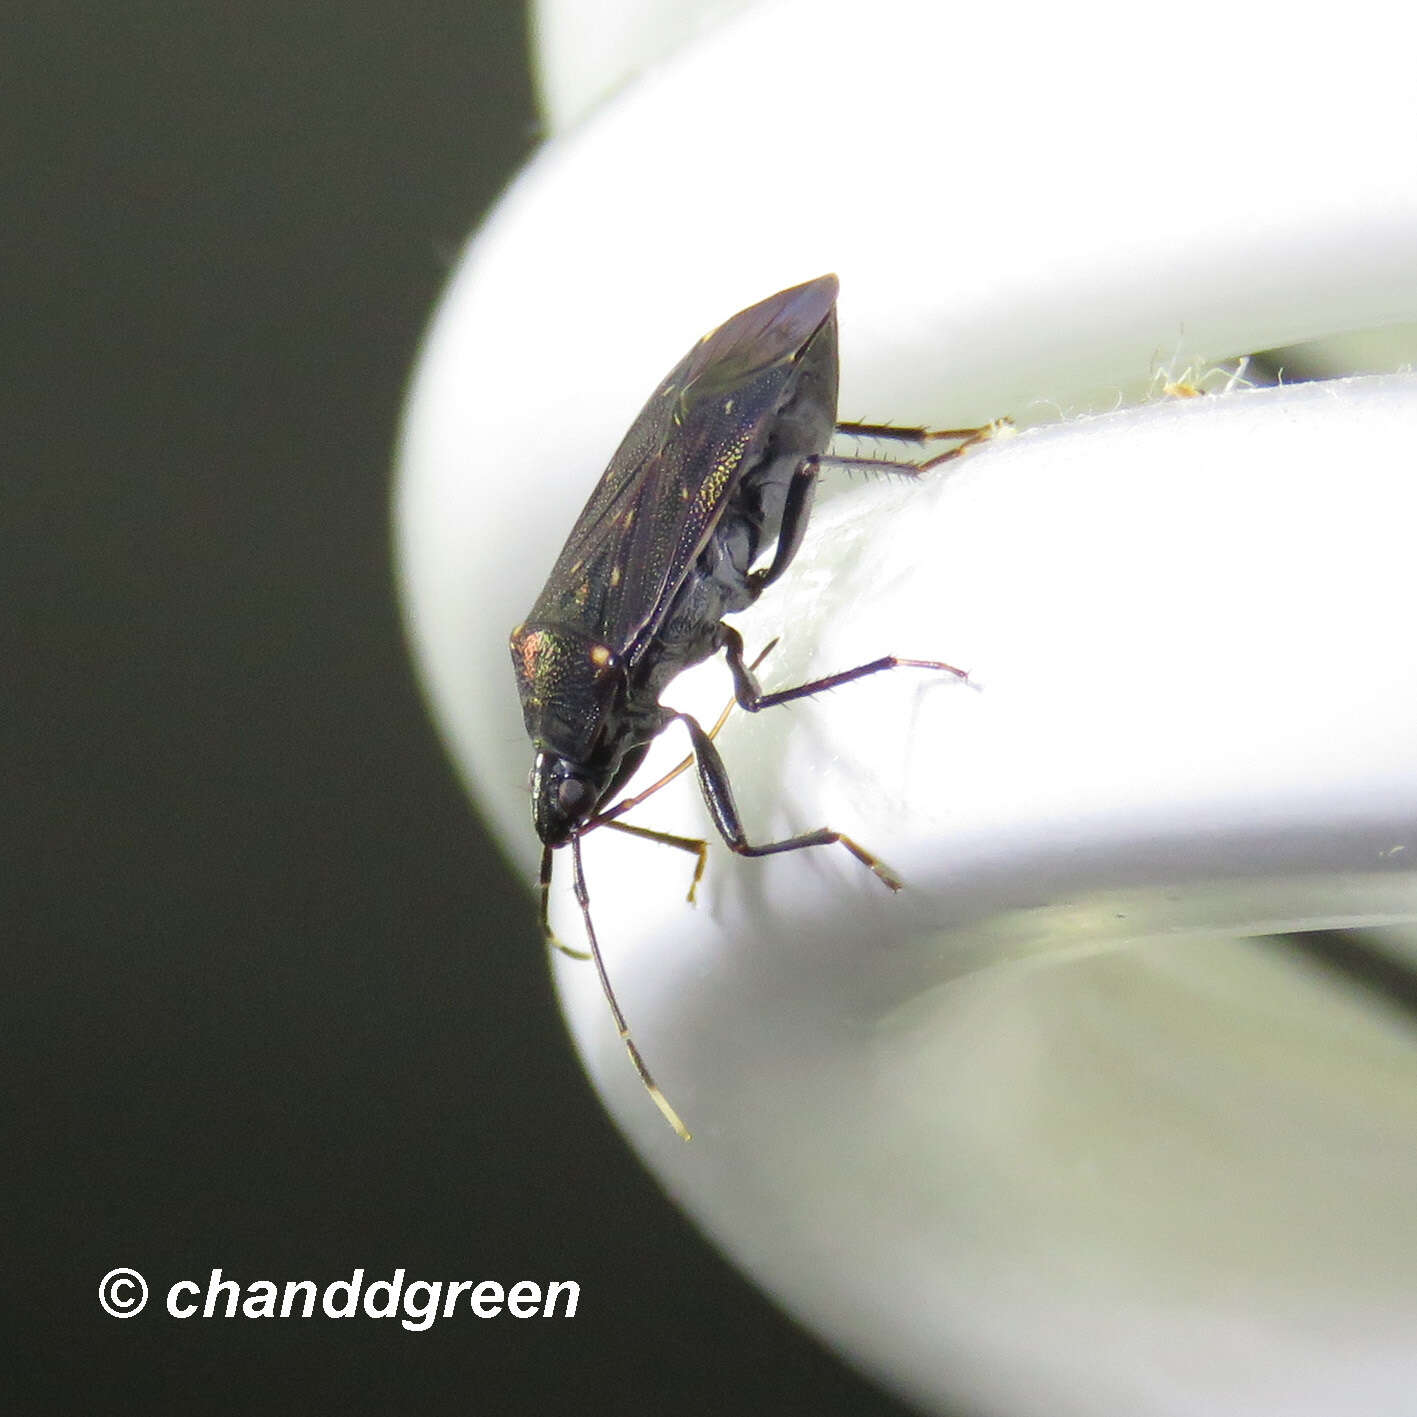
(568, 682)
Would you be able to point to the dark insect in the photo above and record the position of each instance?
(717, 472)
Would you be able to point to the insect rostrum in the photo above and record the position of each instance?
(716, 474)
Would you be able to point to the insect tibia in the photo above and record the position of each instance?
(848, 676)
(693, 844)
(895, 433)
(966, 438)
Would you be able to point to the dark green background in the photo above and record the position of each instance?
(272, 1002)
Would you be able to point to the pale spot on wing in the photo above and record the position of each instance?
(530, 650)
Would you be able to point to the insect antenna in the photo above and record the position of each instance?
(652, 1087)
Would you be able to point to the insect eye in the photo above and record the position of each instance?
(573, 796)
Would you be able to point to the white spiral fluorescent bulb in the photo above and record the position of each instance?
(1059, 1128)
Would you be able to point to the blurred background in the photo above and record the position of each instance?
(274, 1004)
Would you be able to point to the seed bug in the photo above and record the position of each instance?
(716, 473)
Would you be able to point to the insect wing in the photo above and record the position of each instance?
(668, 483)
(755, 339)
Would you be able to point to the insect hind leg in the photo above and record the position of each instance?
(965, 437)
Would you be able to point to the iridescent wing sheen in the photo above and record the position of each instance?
(669, 482)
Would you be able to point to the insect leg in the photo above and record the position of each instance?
(697, 845)
(607, 817)
(751, 698)
(968, 438)
(583, 900)
(547, 933)
(795, 510)
(798, 505)
(718, 796)
(684, 843)
(897, 434)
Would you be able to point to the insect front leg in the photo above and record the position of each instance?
(718, 797)
(544, 913)
(696, 845)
